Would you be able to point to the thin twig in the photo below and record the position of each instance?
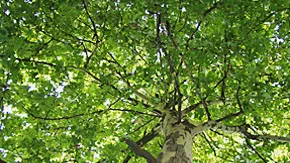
(92, 21)
(168, 27)
(208, 142)
(146, 123)
(259, 155)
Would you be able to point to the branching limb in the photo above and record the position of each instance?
(95, 35)
(133, 111)
(29, 60)
(269, 137)
(206, 109)
(158, 25)
(34, 61)
(192, 34)
(243, 130)
(87, 55)
(202, 127)
(225, 74)
(137, 93)
(175, 73)
(58, 118)
(235, 129)
(160, 51)
(202, 99)
(176, 83)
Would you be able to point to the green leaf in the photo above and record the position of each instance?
(70, 72)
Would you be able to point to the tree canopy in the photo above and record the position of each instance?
(118, 81)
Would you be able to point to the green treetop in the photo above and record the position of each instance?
(144, 81)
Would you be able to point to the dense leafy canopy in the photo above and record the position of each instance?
(71, 71)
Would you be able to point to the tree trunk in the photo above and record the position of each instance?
(177, 147)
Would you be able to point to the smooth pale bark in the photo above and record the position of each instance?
(243, 130)
(179, 139)
(178, 142)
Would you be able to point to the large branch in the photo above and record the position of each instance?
(139, 151)
(148, 137)
(243, 131)
(212, 124)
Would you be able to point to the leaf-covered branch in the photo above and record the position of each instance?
(96, 66)
(214, 6)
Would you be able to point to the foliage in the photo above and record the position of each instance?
(71, 72)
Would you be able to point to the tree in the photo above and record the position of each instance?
(156, 81)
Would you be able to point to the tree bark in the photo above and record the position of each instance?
(177, 147)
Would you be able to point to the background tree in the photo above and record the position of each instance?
(162, 81)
